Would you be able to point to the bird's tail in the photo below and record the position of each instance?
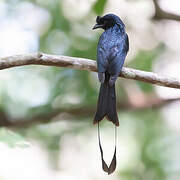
(106, 105)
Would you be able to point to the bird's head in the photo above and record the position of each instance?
(108, 21)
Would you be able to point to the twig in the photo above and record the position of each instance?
(85, 64)
(160, 14)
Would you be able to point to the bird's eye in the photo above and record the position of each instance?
(105, 22)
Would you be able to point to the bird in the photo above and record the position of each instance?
(112, 50)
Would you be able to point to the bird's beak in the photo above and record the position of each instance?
(97, 26)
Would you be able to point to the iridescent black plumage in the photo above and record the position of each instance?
(111, 52)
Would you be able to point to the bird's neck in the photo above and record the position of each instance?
(116, 29)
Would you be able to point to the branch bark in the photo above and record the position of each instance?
(85, 64)
(160, 14)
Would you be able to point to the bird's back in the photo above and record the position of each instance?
(113, 42)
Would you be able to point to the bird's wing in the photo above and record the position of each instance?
(126, 45)
(102, 62)
(118, 55)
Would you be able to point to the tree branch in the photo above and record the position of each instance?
(160, 14)
(77, 112)
(85, 64)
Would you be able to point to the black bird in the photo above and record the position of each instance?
(112, 49)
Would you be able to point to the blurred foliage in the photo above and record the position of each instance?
(66, 88)
(144, 61)
(12, 139)
(148, 131)
(99, 6)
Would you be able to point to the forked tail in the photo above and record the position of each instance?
(106, 105)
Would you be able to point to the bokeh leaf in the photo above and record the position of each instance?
(99, 6)
(12, 139)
